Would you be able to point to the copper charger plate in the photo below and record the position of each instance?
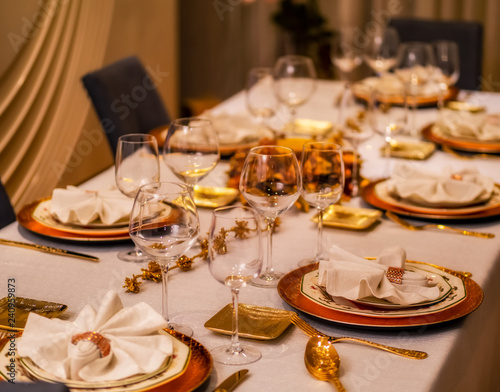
(289, 291)
(462, 144)
(26, 219)
(369, 194)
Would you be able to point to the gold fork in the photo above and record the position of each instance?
(409, 226)
(311, 331)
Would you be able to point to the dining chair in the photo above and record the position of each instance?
(468, 36)
(125, 98)
(7, 214)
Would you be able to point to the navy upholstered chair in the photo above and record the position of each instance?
(125, 98)
(468, 36)
(7, 214)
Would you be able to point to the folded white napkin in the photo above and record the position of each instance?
(449, 188)
(470, 125)
(130, 335)
(232, 128)
(76, 206)
(390, 83)
(352, 277)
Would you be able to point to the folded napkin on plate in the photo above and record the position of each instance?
(465, 124)
(450, 188)
(233, 128)
(77, 206)
(352, 277)
(126, 342)
(389, 83)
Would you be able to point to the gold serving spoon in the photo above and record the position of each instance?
(409, 226)
(322, 361)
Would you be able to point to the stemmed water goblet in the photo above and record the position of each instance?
(270, 182)
(380, 53)
(295, 82)
(136, 164)
(191, 149)
(235, 258)
(345, 53)
(164, 224)
(447, 66)
(322, 168)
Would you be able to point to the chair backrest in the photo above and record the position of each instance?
(125, 98)
(468, 36)
(7, 215)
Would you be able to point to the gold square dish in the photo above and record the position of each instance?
(312, 128)
(254, 322)
(214, 197)
(15, 317)
(411, 150)
(352, 218)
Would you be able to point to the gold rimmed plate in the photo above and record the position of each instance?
(14, 311)
(289, 289)
(351, 218)
(255, 322)
(214, 197)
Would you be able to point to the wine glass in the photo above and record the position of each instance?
(295, 82)
(380, 53)
(261, 99)
(345, 53)
(235, 258)
(164, 224)
(270, 182)
(136, 164)
(415, 67)
(447, 66)
(191, 149)
(322, 168)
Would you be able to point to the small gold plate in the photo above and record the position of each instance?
(411, 150)
(14, 318)
(254, 322)
(465, 107)
(349, 217)
(312, 128)
(214, 197)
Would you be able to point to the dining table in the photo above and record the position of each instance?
(463, 352)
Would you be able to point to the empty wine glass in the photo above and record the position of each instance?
(345, 53)
(260, 95)
(270, 182)
(415, 67)
(191, 148)
(447, 66)
(136, 164)
(322, 168)
(164, 224)
(235, 258)
(295, 82)
(380, 53)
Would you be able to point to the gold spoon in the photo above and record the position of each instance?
(322, 361)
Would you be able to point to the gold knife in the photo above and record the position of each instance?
(48, 249)
(229, 383)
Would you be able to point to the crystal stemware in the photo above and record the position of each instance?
(270, 182)
(164, 224)
(136, 164)
(235, 258)
(447, 66)
(345, 54)
(380, 53)
(322, 168)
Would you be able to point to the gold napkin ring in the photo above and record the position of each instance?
(100, 341)
(395, 275)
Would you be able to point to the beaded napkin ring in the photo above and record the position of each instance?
(100, 341)
(395, 275)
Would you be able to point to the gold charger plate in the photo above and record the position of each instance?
(14, 311)
(289, 289)
(214, 197)
(432, 133)
(254, 322)
(370, 195)
(349, 217)
(36, 217)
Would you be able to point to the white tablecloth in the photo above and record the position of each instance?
(464, 355)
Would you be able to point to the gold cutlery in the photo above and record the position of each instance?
(48, 249)
(229, 383)
(311, 331)
(322, 361)
(409, 226)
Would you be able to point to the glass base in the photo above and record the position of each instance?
(225, 355)
(268, 280)
(133, 256)
(183, 329)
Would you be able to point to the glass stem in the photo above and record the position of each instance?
(164, 294)
(235, 341)
(319, 243)
(354, 173)
(269, 262)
